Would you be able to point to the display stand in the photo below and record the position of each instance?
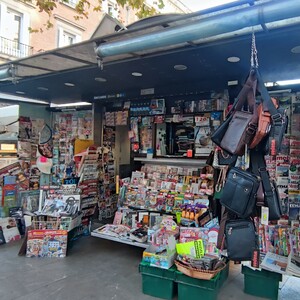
(119, 240)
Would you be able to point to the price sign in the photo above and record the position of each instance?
(202, 120)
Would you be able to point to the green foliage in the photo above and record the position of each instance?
(84, 6)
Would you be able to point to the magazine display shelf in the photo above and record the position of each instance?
(119, 240)
(173, 161)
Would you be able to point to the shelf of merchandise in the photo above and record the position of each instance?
(173, 161)
(119, 240)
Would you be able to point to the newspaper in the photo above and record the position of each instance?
(275, 263)
(293, 266)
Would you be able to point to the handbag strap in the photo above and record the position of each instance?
(258, 167)
(267, 101)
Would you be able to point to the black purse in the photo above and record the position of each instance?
(241, 239)
(226, 159)
(239, 192)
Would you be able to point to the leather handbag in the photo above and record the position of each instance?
(241, 239)
(264, 123)
(239, 192)
(219, 133)
(242, 126)
(240, 130)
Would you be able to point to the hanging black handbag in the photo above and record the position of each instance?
(241, 239)
(239, 192)
(226, 159)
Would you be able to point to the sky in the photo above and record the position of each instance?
(196, 5)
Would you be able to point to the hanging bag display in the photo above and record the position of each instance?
(241, 239)
(239, 192)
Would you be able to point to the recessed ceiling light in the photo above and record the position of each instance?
(69, 84)
(19, 92)
(296, 50)
(136, 74)
(41, 88)
(180, 67)
(233, 59)
(100, 79)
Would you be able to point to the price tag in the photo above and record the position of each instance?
(202, 121)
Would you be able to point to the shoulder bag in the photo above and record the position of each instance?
(241, 239)
(243, 124)
(239, 192)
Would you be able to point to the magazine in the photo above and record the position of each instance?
(47, 243)
(29, 201)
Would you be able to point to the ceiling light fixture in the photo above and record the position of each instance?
(41, 88)
(100, 79)
(21, 99)
(288, 82)
(180, 67)
(233, 59)
(296, 50)
(136, 74)
(69, 84)
(70, 104)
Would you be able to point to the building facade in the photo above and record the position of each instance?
(17, 17)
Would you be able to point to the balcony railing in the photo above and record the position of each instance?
(14, 49)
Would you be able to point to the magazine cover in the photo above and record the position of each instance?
(294, 207)
(47, 243)
(29, 201)
(10, 229)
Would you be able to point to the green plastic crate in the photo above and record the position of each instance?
(262, 283)
(224, 274)
(192, 288)
(158, 282)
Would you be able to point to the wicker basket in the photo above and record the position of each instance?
(196, 273)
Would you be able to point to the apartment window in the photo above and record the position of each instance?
(71, 3)
(14, 27)
(67, 37)
(14, 34)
